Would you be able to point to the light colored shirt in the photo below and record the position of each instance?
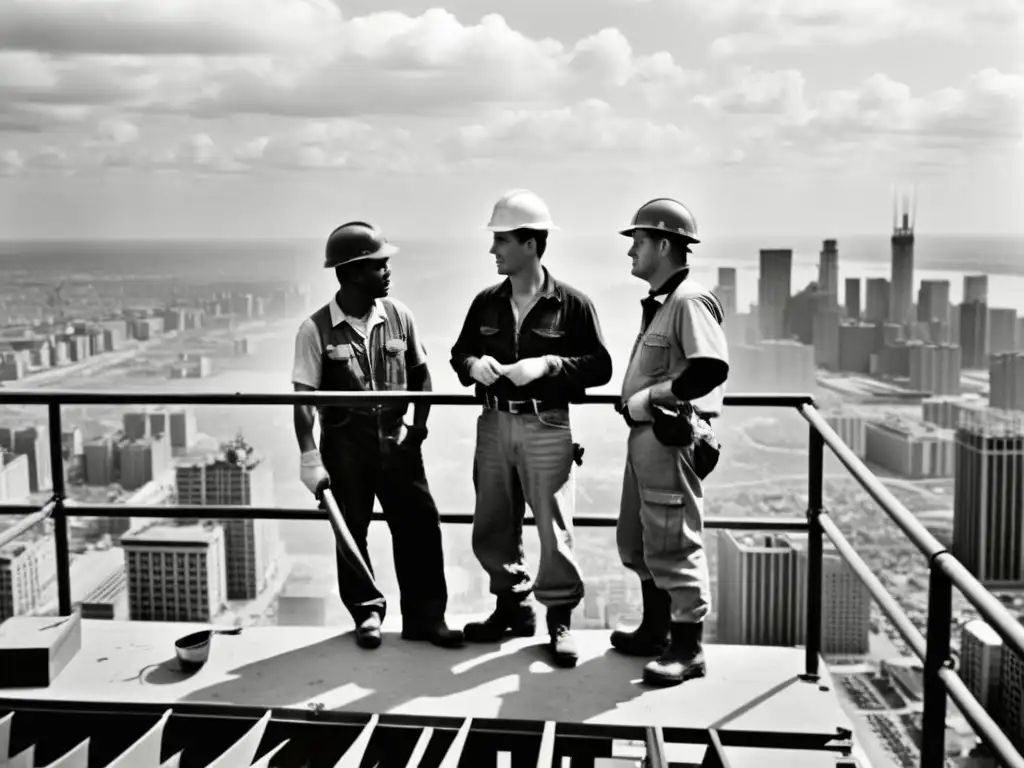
(308, 362)
(684, 329)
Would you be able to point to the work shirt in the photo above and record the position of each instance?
(335, 352)
(685, 326)
(561, 323)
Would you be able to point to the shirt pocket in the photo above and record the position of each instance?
(654, 355)
(395, 370)
(489, 339)
(546, 341)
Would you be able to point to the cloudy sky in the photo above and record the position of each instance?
(262, 118)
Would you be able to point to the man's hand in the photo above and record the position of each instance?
(311, 470)
(639, 406)
(525, 371)
(411, 436)
(486, 370)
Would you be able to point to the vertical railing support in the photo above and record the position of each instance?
(936, 657)
(59, 516)
(815, 506)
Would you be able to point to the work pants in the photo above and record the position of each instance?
(361, 466)
(526, 459)
(660, 531)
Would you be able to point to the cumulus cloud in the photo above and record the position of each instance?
(779, 24)
(984, 114)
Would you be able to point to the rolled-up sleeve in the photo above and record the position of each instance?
(700, 330)
(308, 356)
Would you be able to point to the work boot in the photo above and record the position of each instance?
(513, 617)
(436, 632)
(368, 632)
(562, 645)
(651, 638)
(682, 660)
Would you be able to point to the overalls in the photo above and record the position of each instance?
(361, 454)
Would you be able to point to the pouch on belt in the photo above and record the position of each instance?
(682, 427)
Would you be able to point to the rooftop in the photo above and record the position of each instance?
(983, 632)
(127, 665)
(167, 534)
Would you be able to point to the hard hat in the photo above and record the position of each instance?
(356, 241)
(520, 209)
(663, 214)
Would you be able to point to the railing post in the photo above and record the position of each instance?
(815, 506)
(940, 616)
(60, 519)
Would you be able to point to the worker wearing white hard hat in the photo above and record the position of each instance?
(530, 345)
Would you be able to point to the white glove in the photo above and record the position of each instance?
(639, 406)
(311, 470)
(486, 370)
(525, 371)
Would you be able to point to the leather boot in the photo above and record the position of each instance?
(561, 643)
(435, 632)
(682, 660)
(512, 616)
(368, 632)
(651, 638)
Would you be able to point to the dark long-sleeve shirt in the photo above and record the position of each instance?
(562, 323)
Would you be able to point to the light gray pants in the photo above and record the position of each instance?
(660, 532)
(526, 459)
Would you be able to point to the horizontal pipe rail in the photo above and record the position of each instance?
(234, 512)
(927, 544)
(885, 601)
(365, 399)
(33, 519)
(991, 610)
(980, 720)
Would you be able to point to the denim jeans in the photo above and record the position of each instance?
(526, 459)
(361, 466)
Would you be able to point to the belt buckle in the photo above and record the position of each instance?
(513, 406)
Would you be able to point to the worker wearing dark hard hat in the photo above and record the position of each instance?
(672, 389)
(361, 340)
(531, 345)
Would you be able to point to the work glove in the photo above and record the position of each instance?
(312, 472)
(486, 370)
(525, 371)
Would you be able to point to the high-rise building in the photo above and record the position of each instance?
(911, 450)
(876, 309)
(988, 500)
(935, 368)
(1006, 381)
(145, 459)
(901, 299)
(773, 291)
(175, 573)
(975, 289)
(853, 298)
(759, 598)
(933, 301)
(851, 428)
(974, 335)
(856, 347)
(99, 461)
(238, 476)
(762, 594)
(1002, 330)
(27, 568)
(828, 272)
(34, 444)
(981, 656)
(1011, 697)
(826, 337)
(14, 480)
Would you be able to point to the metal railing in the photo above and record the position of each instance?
(945, 571)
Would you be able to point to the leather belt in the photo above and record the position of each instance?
(519, 407)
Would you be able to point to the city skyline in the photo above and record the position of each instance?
(164, 119)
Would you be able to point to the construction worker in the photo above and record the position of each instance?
(531, 345)
(364, 340)
(672, 388)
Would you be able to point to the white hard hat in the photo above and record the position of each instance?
(519, 209)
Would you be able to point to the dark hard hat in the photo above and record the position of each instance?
(666, 215)
(356, 241)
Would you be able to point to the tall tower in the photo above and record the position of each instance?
(902, 291)
(828, 272)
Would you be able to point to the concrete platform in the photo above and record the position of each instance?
(748, 688)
